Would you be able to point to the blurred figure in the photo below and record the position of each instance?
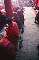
(15, 19)
(21, 20)
(12, 31)
(36, 4)
(7, 49)
(37, 18)
(8, 45)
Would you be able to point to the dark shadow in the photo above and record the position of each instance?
(38, 51)
(20, 43)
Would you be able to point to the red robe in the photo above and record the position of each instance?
(37, 2)
(13, 32)
(7, 50)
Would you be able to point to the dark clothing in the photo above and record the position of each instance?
(7, 50)
(2, 20)
(38, 49)
(17, 20)
(20, 18)
(37, 18)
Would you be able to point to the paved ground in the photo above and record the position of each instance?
(30, 37)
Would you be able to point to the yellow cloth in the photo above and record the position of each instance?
(1, 41)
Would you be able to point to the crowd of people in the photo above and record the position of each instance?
(9, 41)
(36, 7)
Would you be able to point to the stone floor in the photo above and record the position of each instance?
(30, 37)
